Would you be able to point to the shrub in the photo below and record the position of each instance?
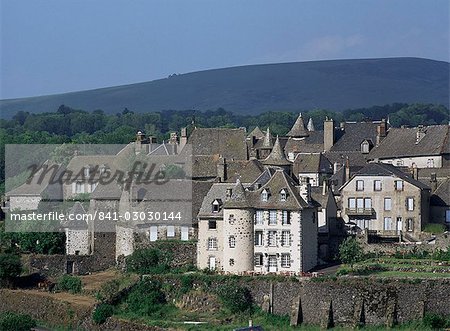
(350, 251)
(10, 266)
(16, 322)
(146, 298)
(101, 313)
(435, 321)
(69, 283)
(147, 261)
(108, 290)
(435, 228)
(235, 298)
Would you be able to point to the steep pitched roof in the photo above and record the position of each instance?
(238, 198)
(76, 222)
(401, 142)
(276, 156)
(441, 197)
(310, 125)
(312, 163)
(279, 180)
(230, 143)
(298, 129)
(267, 141)
(256, 132)
(382, 169)
(245, 171)
(218, 191)
(311, 144)
(350, 137)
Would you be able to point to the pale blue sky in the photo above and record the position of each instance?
(55, 46)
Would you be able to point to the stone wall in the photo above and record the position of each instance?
(381, 300)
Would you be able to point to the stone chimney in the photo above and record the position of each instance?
(335, 167)
(328, 134)
(222, 169)
(325, 186)
(420, 133)
(347, 169)
(183, 138)
(381, 131)
(310, 125)
(140, 140)
(305, 189)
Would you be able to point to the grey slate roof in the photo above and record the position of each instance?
(256, 132)
(350, 138)
(245, 171)
(238, 197)
(276, 156)
(311, 144)
(110, 191)
(401, 142)
(77, 209)
(312, 163)
(318, 196)
(298, 129)
(355, 158)
(217, 191)
(441, 197)
(382, 169)
(230, 143)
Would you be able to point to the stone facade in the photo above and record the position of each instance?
(78, 242)
(24, 202)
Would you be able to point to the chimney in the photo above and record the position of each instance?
(433, 181)
(415, 172)
(381, 131)
(183, 138)
(420, 133)
(325, 186)
(347, 169)
(335, 167)
(222, 169)
(140, 139)
(305, 189)
(328, 134)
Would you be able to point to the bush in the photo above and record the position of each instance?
(16, 322)
(108, 290)
(146, 298)
(70, 284)
(10, 266)
(101, 313)
(435, 228)
(235, 298)
(147, 261)
(435, 321)
(350, 252)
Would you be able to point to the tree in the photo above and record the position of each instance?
(10, 266)
(350, 251)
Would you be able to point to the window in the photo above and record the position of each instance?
(410, 224)
(387, 223)
(231, 219)
(212, 263)
(259, 217)
(258, 238)
(170, 231)
(215, 206)
(232, 241)
(410, 204)
(153, 233)
(79, 187)
(367, 203)
(286, 238)
(360, 185)
(430, 163)
(377, 185)
(272, 217)
(285, 260)
(212, 243)
(184, 233)
(398, 185)
(387, 204)
(272, 238)
(86, 172)
(352, 203)
(360, 203)
(264, 195)
(258, 260)
(231, 262)
(212, 225)
(399, 163)
(286, 218)
(283, 195)
(365, 147)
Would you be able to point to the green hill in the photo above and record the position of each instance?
(334, 85)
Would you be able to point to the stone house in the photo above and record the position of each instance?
(264, 227)
(384, 200)
(78, 236)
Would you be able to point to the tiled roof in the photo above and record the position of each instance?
(298, 129)
(311, 144)
(256, 132)
(350, 138)
(238, 198)
(245, 171)
(110, 191)
(318, 196)
(382, 169)
(217, 191)
(401, 142)
(276, 156)
(312, 163)
(355, 158)
(229, 143)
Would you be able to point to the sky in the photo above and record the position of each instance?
(57, 46)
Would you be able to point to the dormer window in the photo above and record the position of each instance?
(86, 171)
(264, 195)
(366, 146)
(216, 205)
(283, 195)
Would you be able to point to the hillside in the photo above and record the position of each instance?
(334, 85)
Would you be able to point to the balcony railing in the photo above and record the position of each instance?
(359, 211)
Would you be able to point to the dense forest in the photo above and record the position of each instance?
(68, 125)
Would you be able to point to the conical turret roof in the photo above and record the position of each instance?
(267, 142)
(276, 157)
(238, 197)
(298, 129)
(310, 125)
